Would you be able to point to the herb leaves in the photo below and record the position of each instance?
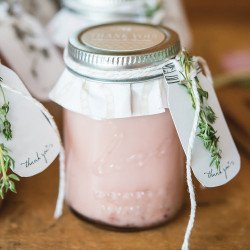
(7, 163)
(151, 10)
(207, 117)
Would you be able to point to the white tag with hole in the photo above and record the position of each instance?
(35, 144)
(183, 113)
(29, 53)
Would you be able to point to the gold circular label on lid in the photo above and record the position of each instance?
(123, 37)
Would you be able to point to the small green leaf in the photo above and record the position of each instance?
(14, 177)
(12, 186)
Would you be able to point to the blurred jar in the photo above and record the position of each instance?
(125, 164)
(84, 13)
(175, 18)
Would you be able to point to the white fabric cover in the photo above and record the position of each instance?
(105, 101)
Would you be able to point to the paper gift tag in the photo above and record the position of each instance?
(28, 52)
(35, 144)
(183, 113)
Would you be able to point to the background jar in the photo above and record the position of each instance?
(84, 13)
(125, 164)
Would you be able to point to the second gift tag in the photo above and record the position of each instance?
(26, 50)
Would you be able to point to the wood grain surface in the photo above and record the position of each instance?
(223, 216)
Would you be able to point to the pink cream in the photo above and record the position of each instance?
(124, 172)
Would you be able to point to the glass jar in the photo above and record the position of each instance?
(84, 13)
(124, 161)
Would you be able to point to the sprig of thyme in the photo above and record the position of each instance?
(151, 10)
(6, 161)
(5, 127)
(207, 117)
(7, 180)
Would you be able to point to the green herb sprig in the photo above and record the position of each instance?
(151, 10)
(207, 117)
(7, 180)
(7, 163)
(4, 110)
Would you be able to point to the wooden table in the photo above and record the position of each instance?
(223, 216)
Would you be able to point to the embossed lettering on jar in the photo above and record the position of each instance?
(125, 164)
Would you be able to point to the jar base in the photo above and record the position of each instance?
(125, 229)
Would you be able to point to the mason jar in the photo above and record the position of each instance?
(83, 13)
(124, 161)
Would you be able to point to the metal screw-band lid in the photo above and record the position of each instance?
(124, 45)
